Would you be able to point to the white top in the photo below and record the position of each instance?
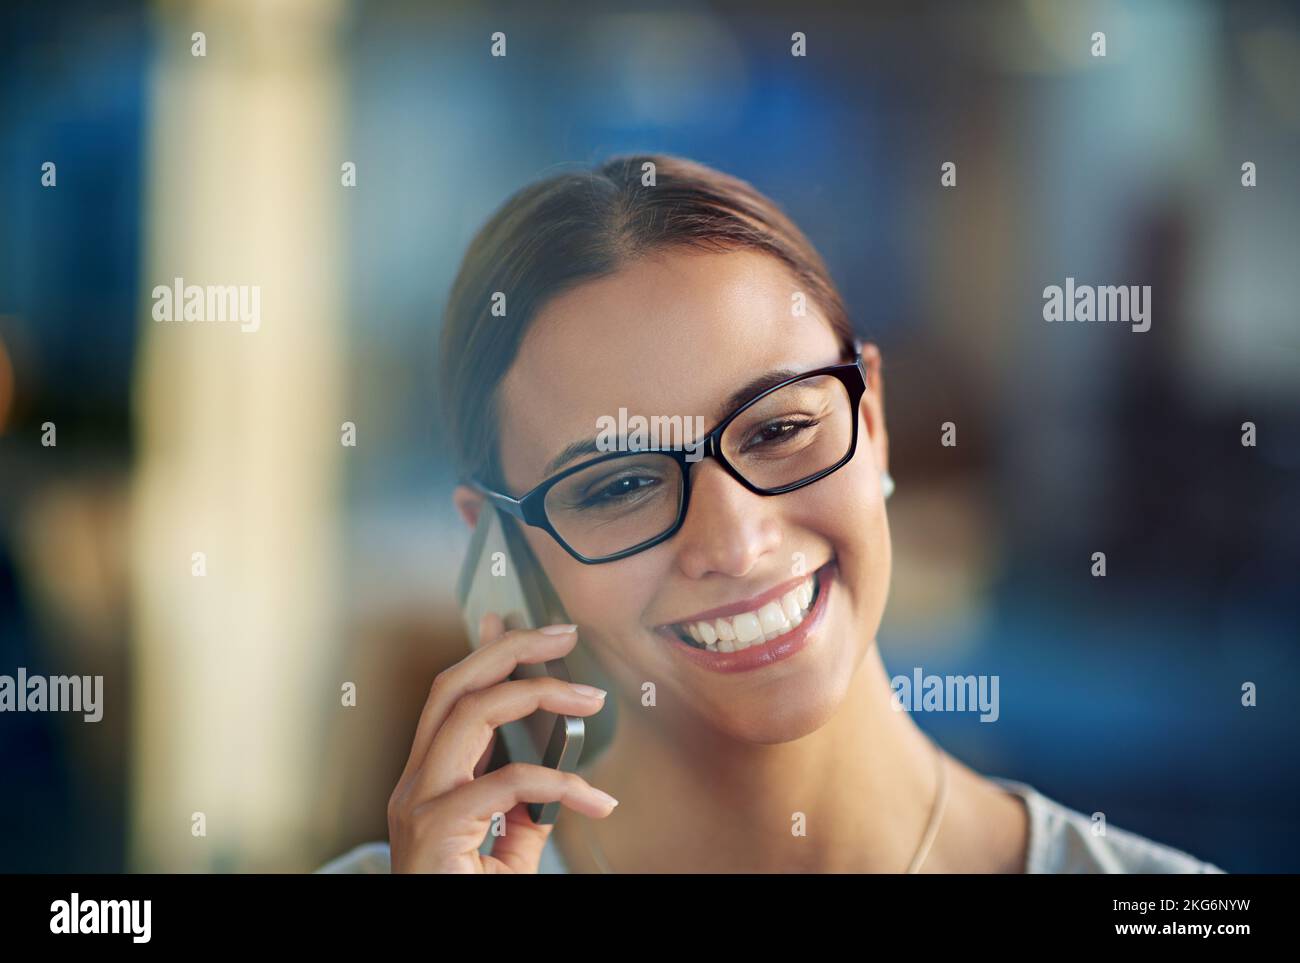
(1061, 840)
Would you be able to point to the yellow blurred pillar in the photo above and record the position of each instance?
(239, 451)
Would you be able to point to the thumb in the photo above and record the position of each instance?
(521, 846)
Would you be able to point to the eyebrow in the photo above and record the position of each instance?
(755, 386)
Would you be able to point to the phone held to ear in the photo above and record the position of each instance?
(501, 575)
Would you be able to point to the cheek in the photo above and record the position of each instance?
(846, 508)
(866, 554)
(606, 600)
(847, 512)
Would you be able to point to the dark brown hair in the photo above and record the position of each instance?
(572, 227)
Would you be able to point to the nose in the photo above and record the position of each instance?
(727, 528)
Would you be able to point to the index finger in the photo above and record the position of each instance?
(490, 628)
(487, 665)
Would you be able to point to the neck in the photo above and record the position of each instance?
(693, 799)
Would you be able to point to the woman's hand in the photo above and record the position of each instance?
(443, 805)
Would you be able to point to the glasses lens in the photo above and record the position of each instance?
(616, 504)
(792, 433)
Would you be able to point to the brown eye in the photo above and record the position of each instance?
(619, 489)
(777, 431)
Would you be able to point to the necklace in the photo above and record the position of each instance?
(918, 859)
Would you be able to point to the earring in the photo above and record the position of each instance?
(886, 484)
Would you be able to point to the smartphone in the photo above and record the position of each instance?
(501, 575)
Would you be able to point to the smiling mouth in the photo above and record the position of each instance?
(767, 623)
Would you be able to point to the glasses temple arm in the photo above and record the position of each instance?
(511, 506)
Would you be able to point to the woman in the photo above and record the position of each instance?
(732, 600)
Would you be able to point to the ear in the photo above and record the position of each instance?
(873, 405)
(468, 503)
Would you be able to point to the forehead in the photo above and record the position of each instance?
(671, 333)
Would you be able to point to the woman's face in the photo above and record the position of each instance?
(677, 333)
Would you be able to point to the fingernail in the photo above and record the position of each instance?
(604, 796)
(558, 629)
(588, 690)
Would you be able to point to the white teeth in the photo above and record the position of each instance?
(772, 619)
(738, 632)
(747, 628)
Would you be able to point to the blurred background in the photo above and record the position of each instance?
(328, 564)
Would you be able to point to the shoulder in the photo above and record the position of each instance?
(376, 858)
(1063, 840)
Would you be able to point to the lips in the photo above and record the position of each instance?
(775, 637)
(750, 604)
(763, 623)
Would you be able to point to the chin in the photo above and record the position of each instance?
(807, 705)
(793, 705)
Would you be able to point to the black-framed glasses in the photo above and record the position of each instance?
(623, 502)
